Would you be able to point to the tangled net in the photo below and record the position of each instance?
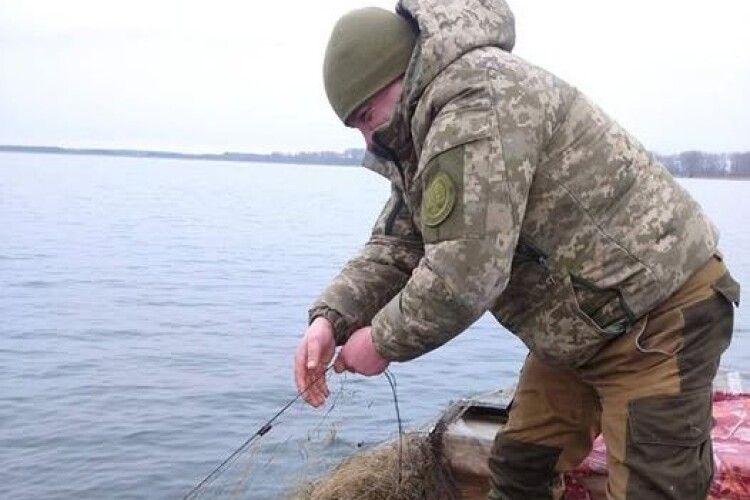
(374, 474)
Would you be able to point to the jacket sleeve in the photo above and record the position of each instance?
(368, 281)
(474, 173)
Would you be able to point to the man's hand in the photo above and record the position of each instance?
(360, 356)
(314, 352)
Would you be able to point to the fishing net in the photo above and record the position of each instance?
(416, 471)
(299, 442)
(314, 456)
(328, 465)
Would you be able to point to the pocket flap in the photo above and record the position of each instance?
(679, 420)
(728, 288)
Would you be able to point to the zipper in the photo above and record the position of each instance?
(388, 153)
(530, 250)
(391, 220)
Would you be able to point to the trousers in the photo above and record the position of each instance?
(648, 392)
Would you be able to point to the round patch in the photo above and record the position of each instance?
(438, 199)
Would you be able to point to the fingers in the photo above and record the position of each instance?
(359, 355)
(300, 362)
(304, 377)
(315, 370)
(339, 365)
(320, 387)
(313, 353)
(309, 372)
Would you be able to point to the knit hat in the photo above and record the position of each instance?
(368, 49)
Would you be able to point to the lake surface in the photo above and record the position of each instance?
(149, 310)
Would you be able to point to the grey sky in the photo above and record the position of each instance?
(246, 75)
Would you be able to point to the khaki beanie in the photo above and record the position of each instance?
(368, 49)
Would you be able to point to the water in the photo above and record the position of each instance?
(149, 310)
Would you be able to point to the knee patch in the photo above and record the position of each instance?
(522, 470)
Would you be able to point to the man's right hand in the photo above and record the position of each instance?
(314, 351)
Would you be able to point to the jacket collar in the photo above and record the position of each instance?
(387, 168)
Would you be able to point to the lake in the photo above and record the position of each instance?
(150, 308)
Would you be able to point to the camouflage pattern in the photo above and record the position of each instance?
(380, 270)
(564, 226)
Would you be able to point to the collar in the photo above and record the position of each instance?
(387, 168)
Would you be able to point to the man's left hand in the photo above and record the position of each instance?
(359, 355)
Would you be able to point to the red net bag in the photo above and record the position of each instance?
(731, 444)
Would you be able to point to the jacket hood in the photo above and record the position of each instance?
(447, 30)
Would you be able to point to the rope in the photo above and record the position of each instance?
(392, 381)
(259, 433)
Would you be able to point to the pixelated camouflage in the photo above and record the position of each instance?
(380, 270)
(564, 226)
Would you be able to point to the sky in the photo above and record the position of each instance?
(200, 76)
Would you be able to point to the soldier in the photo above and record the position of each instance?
(513, 193)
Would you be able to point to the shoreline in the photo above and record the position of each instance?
(350, 158)
(322, 158)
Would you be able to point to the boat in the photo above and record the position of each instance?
(467, 429)
(448, 458)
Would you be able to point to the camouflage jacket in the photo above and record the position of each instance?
(511, 193)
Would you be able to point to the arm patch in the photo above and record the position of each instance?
(439, 199)
(442, 196)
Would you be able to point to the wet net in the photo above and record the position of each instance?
(306, 455)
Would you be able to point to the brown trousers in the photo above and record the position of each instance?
(648, 392)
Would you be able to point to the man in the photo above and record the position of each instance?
(513, 193)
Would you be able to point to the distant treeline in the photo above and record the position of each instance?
(701, 164)
(348, 157)
(686, 164)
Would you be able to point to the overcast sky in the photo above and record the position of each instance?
(246, 75)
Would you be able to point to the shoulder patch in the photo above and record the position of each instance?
(438, 199)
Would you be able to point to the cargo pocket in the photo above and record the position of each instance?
(668, 448)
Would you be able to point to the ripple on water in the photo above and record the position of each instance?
(133, 361)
